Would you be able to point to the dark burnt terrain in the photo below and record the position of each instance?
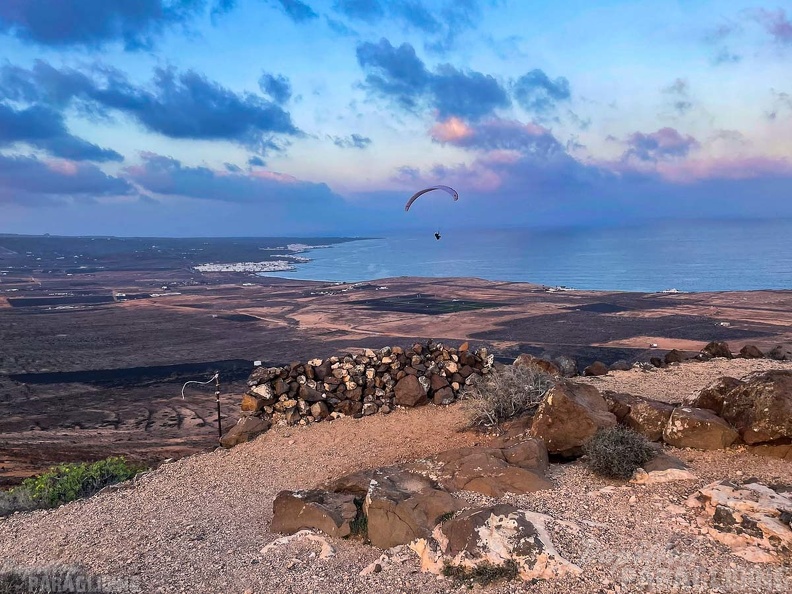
(97, 336)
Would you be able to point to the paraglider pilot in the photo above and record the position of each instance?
(437, 234)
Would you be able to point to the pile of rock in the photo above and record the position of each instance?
(721, 349)
(356, 385)
(755, 410)
(416, 504)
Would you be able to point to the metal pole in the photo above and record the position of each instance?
(217, 398)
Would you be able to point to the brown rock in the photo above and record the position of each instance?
(567, 365)
(649, 417)
(782, 451)
(494, 536)
(253, 404)
(760, 408)
(292, 416)
(486, 471)
(410, 392)
(332, 513)
(596, 368)
(543, 365)
(711, 397)
(319, 410)
(438, 382)
(247, 428)
(718, 349)
(620, 365)
(781, 352)
(698, 428)
(349, 407)
(619, 403)
(464, 346)
(443, 396)
(750, 351)
(401, 506)
(529, 453)
(570, 415)
(675, 356)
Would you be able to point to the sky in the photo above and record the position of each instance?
(321, 117)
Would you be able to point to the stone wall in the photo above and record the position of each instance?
(364, 383)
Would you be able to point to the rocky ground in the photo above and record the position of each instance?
(199, 524)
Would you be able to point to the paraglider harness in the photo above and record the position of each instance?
(437, 235)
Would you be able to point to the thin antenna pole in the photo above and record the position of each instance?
(217, 398)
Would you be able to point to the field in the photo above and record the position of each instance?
(98, 335)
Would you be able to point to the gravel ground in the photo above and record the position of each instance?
(674, 383)
(198, 524)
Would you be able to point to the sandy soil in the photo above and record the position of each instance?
(198, 524)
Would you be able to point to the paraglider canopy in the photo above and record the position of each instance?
(415, 196)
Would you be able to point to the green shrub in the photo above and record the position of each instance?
(617, 452)
(505, 394)
(484, 573)
(67, 482)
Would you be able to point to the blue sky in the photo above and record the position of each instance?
(276, 117)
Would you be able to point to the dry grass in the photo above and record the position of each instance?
(505, 394)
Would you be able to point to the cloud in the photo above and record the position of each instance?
(177, 105)
(168, 176)
(442, 25)
(725, 56)
(680, 92)
(498, 135)
(352, 141)
(44, 128)
(776, 23)
(666, 143)
(400, 75)
(537, 93)
(31, 181)
(255, 161)
(94, 23)
(276, 86)
(296, 10)
(416, 15)
(369, 11)
(782, 102)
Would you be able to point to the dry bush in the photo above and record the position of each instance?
(506, 393)
(617, 452)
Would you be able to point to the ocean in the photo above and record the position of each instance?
(689, 256)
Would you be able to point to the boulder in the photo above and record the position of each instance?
(319, 410)
(781, 352)
(620, 365)
(717, 349)
(676, 356)
(750, 351)
(698, 428)
(349, 407)
(247, 428)
(596, 368)
(487, 471)
(543, 365)
(619, 403)
(711, 397)
(253, 404)
(410, 392)
(401, 506)
(760, 408)
(649, 417)
(529, 453)
(662, 468)
(494, 536)
(643, 415)
(567, 365)
(781, 451)
(753, 520)
(332, 513)
(569, 416)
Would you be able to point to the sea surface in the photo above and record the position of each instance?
(689, 256)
